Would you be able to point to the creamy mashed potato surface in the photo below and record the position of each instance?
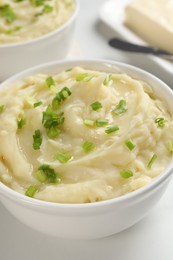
(22, 20)
(82, 136)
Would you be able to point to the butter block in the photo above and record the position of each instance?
(152, 20)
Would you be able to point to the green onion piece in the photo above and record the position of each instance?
(129, 144)
(62, 157)
(107, 80)
(170, 146)
(68, 70)
(7, 12)
(120, 108)
(15, 29)
(30, 192)
(51, 175)
(60, 96)
(160, 121)
(126, 174)
(53, 132)
(96, 105)
(81, 76)
(39, 103)
(88, 146)
(151, 161)
(88, 122)
(37, 2)
(101, 122)
(37, 139)
(40, 176)
(111, 129)
(50, 82)
(50, 118)
(2, 108)
(47, 9)
(21, 122)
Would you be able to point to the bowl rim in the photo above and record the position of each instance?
(129, 197)
(47, 35)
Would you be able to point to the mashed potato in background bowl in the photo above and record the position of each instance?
(34, 31)
(90, 141)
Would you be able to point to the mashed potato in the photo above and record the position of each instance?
(27, 19)
(82, 136)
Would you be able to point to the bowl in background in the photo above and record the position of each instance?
(51, 46)
(97, 219)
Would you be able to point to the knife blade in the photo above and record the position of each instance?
(132, 47)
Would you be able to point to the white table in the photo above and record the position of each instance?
(151, 239)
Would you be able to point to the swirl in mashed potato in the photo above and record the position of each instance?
(23, 20)
(82, 136)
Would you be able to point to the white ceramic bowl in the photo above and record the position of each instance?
(98, 219)
(52, 46)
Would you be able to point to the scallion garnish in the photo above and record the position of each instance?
(60, 96)
(1, 108)
(88, 122)
(37, 2)
(111, 129)
(170, 146)
(62, 157)
(49, 176)
(53, 132)
(160, 121)
(40, 176)
(37, 139)
(68, 70)
(47, 9)
(151, 161)
(129, 144)
(120, 108)
(30, 192)
(96, 105)
(107, 80)
(50, 82)
(88, 146)
(126, 174)
(7, 12)
(39, 103)
(21, 122)
(84, 77)
(101, 122)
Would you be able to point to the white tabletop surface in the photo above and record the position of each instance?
(150, 239)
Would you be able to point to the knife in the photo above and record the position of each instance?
(131, 47)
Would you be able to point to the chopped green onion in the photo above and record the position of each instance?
(160, 121)
(68, 70)
(111, 129)
(21, 122)
(81, 76)
(126, 174)
(120, 108)
(51, 175)
(62, 157)
(60, 96)
(107, 80)
(47, 9)
(96, 105)
(15, 29)
(36, 104)
(101, 122)
(30, 192)
(53, 132)
(129, 144)
(170, 146)
(151, 161)
(50, 118)
(50, 82)
(37, 2)
(88, 146)
(7, 12)
(37, 139)
(40, 176)
(2, 108)
(88, 122)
